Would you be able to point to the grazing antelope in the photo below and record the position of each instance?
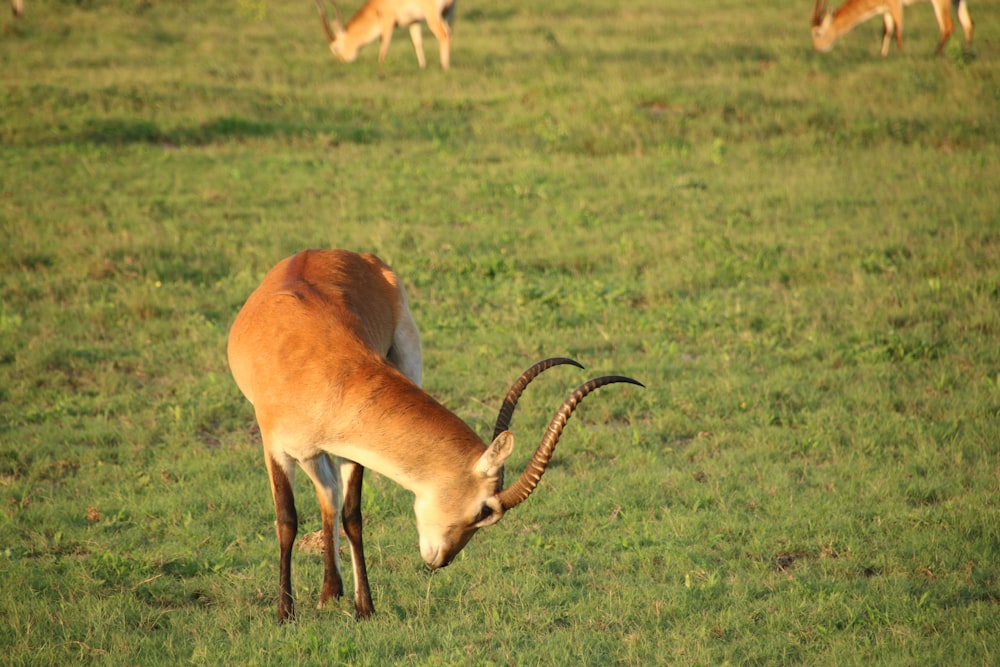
(17, 7)
(378, 18)
(328, 353)
(828, 27)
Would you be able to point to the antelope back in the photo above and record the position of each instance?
(314, 323)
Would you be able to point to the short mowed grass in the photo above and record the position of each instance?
(797, 253)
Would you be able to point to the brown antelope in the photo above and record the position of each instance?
(828, 27)
(378, 18)
(17, 7)
(328, 353)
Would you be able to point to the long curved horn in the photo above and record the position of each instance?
(325, 20)
(516, 389)
(517, 492)
(819, 11)
(340, 15)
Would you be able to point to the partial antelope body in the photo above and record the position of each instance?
(328, 353)
(17, 7)
(378, 18)
(828, 27)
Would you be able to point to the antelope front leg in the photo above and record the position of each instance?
(417, 37)
(287, 523)
(888, 28)
(966, 21)
(352, 475)
(897, 17)
(383, 47)
(443, 35)
(942, 12)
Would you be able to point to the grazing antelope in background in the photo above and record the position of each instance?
(16, 7)
(828, 27)
(378, 18)
(328, 353)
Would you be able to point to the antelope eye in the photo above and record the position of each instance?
(485, 513)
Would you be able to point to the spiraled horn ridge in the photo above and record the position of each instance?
(819, 11)
(519, 491)
(516, 389)
(325, 20)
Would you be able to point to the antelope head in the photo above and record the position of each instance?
(822, 37)
(441, 537)
(335, 33)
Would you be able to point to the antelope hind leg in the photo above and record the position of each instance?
(326, 479)
(281, 474)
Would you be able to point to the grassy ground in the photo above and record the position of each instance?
(799, 254)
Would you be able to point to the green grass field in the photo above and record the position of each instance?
(797, 253)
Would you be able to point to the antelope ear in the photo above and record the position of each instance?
(493, 458)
